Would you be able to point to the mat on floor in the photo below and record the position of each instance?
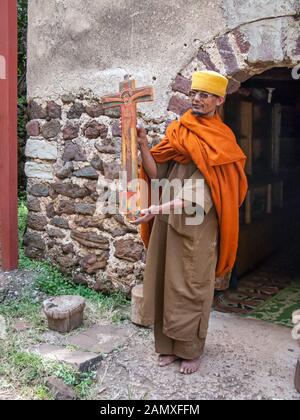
(280, 307)
(252, 291)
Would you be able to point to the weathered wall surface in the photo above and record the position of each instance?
(80, 50)
(91, 44)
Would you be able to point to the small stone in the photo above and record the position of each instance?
(34, 240)
(90, 222)
(66, 171)
(94, 110)
(34, 253)
(53, 110)
(40, 149)
(33, 128)
(70, 131)
(116, 129)
(64, 313)
(182, 84)
(86, 209)
(90, 239)
(55, 233)
(65, 207)
(128, 249)
(59, 390)
(73, 152)
(39, 190)
(39, 170)
(111, 170)
(68, 248)
(80, 279)
(33, 204)
(37, 221)
(97, 163)
(68, 98)
(178, 106)
(66, 262)
(109, 146)
(93, 130)
(92, 263)
(50, 210)
(114, 228)
(76, 110)
(51, 129)
(70, 190)
(60, 222)
(36, 111)
(86, 172)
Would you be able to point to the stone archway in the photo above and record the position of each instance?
(241, 53)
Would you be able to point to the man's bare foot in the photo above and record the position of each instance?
(190, 366)
(166, 359)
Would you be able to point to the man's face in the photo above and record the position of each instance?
(204, 103)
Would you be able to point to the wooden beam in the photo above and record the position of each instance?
(8, 136)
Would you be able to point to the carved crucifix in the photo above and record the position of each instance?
(127, 100)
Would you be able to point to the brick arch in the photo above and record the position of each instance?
(241, 53)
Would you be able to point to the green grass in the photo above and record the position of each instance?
(22, 308)
(25, 371)
(51, 281)
(28, 371)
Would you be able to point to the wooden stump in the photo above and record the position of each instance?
(64, 313)
(296, 336)
(137, 307)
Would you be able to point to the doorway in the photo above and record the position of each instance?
(265, 116)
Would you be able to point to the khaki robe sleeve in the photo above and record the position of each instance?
(162, 170)
(196, 191)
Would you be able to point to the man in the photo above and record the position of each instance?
(183, 260)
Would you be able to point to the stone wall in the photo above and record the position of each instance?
(73, 146)
(72, 150)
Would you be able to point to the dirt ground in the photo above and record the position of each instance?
(244, 360)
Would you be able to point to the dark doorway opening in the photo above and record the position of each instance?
(265, 116)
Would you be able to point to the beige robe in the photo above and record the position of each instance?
(180, 272)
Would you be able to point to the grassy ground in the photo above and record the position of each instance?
(21, 372)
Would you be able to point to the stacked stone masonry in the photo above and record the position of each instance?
(73, 157)
(73, 149)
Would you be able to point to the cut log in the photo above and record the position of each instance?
(137, 307)
(297, 376)
(64, 313)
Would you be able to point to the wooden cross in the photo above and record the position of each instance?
(127, 100)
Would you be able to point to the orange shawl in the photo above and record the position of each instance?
(212, 146)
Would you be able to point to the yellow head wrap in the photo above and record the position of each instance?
(210, 81)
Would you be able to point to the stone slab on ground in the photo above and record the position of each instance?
(244, 360)
(81, 361)
(100, 339)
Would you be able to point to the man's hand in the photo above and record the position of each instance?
(142, 138)
(146, 215)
